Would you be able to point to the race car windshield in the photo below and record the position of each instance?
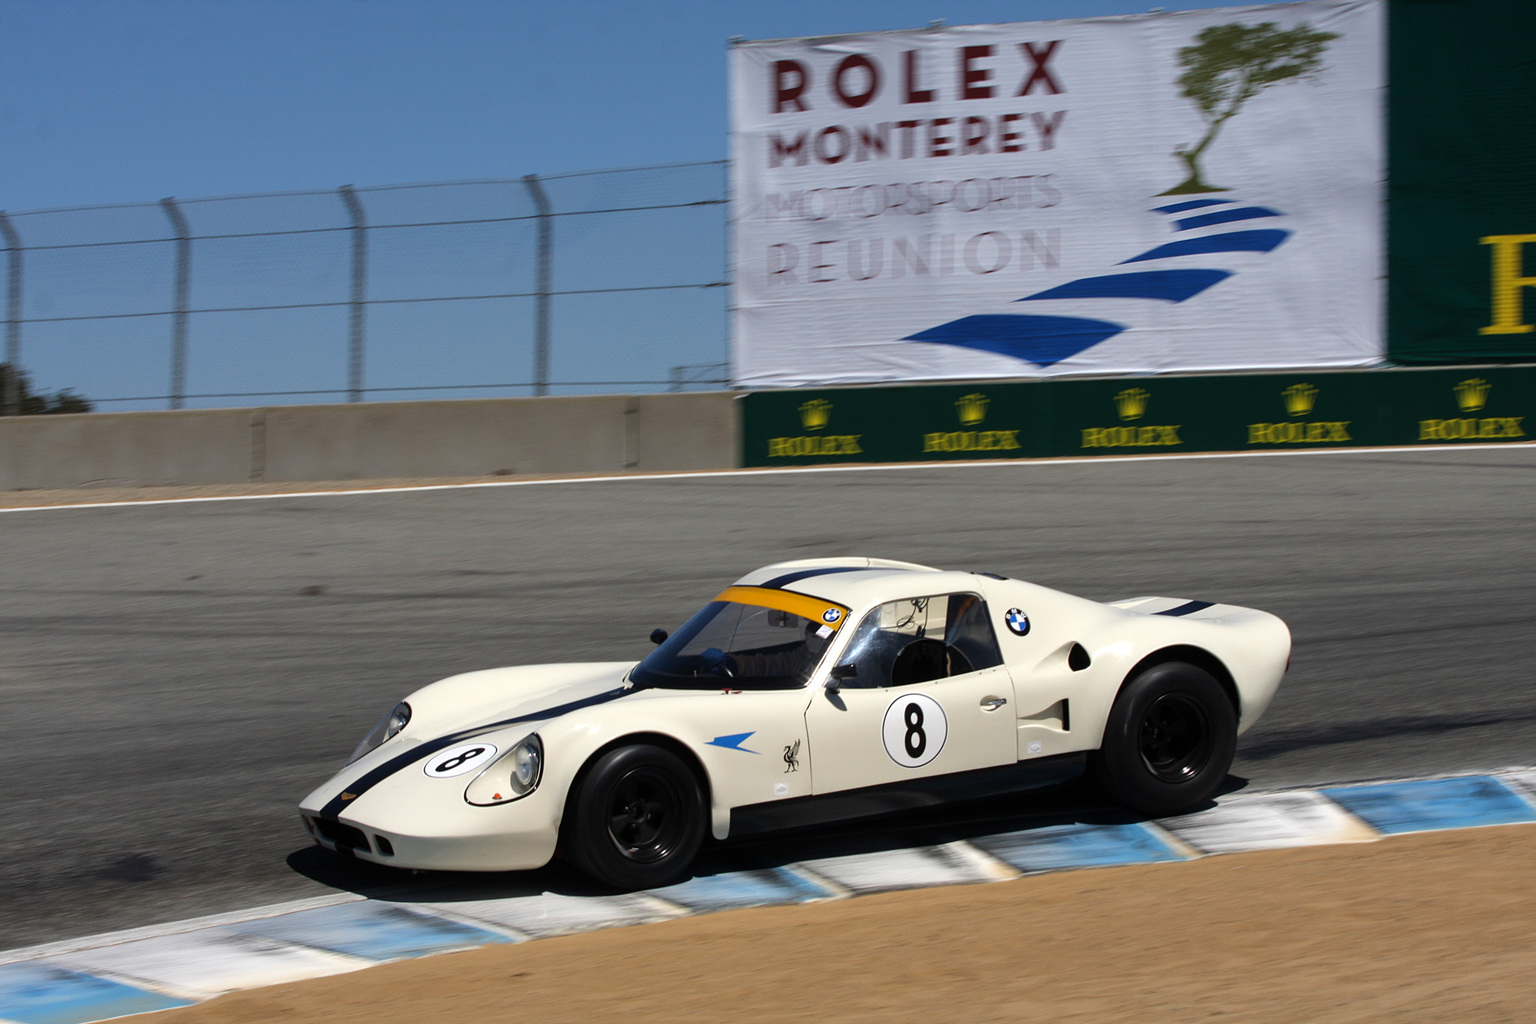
(738, 645)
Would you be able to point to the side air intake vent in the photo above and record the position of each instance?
(1077, 658)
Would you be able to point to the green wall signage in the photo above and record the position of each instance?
(1461, 145)
(1138, 416)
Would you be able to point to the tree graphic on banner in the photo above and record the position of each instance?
(1229, 65)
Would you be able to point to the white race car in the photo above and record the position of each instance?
(805, 692)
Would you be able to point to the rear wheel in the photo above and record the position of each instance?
(638, 820)
(1169, 740)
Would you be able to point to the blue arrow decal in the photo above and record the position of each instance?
(1172, 285)
(1232, 241)
(1206, 220)
(1042, 340)
(733, 742)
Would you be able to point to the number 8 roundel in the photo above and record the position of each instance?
(460, 760)
(914, 729)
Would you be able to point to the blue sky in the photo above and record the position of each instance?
(109, 101)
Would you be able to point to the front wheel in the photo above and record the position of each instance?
(638, 819)
(1169, 740)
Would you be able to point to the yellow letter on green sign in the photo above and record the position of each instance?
(1508, 266)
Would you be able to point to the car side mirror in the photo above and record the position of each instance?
(658, 636)
(842, 672)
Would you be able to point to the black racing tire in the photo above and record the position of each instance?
(637, 820)
(1168, 742)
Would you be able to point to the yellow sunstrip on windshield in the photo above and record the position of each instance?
(813, 608)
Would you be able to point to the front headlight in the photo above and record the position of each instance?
(387, 728)
(515, 773)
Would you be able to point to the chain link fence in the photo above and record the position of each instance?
(592, 282)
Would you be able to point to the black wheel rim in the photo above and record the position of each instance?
(646, 815)
(1176, 738)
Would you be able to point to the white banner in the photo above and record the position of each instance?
(1160, 192)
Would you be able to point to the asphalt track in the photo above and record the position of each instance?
(173, 678)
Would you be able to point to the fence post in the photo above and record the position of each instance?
(183, 291)
(730, 278)
(10, 401)
(359, 293)
(541, 307)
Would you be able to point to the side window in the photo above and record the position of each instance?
(968, 634)
(919, 639)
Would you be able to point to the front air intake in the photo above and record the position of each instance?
(342, 835)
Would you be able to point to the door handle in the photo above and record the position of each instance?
(993, 703)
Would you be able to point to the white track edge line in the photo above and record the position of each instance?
(864, 467)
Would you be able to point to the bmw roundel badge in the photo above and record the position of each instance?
(831, 615)
(1018, 622)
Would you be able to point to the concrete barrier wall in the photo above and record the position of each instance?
(372, 440)
(136, 449)
(724, 430)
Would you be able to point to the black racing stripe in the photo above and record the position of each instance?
(336, 804)
(780, 582)
(1187, 608)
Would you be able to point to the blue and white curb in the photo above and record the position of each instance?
(167, 966)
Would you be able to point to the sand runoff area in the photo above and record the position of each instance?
(1431, 927)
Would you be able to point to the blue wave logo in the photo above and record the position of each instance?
(1045, 340)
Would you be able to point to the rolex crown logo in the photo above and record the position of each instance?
(1132, 403)
(1472, 394)
(972, 409)
(815, 413)
(1299, 399)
